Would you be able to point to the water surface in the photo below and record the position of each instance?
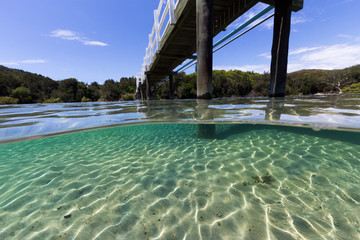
(157, 178)
(21, 121)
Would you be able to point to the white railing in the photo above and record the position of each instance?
(160, 15)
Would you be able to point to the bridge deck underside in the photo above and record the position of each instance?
(179, 41)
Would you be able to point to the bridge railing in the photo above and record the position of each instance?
(165, 10)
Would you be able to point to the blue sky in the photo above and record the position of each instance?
(96, 40)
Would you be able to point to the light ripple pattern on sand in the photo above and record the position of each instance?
(161, 181)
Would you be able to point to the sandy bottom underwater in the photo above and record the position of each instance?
(161, 181)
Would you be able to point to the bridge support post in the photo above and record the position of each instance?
(137, 94)
(280, 47)
(171, 87)
(205, 131)
(204, 43)
(274, 109)
(141, 91)
(148, 91)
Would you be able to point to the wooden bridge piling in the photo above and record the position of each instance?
(171, 85)
(148, 90)
(142, 93)
(205, 131)
(204, 45)
(280, 47)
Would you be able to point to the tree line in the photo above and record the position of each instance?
(236, 83)
(17, 86)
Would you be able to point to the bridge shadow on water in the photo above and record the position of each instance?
(238, 129)
(273, 113)
(207, 114)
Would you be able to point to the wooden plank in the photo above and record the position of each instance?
(296, 4)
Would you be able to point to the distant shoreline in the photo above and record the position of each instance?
(20, 87)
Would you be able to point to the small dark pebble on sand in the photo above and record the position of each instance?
(268, 179)
(256, 178)
(67, 216)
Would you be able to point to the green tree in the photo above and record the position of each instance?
(22, 93)
(110, 91)
(220, 84)
(81, 91)
(187, 87)
(127, 85)
(240, 83)
(261, 84)
(68, 90)
(354, 88)
(93, 91)
(8, 100)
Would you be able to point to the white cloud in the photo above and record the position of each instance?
(295, 51)
(345, 1)
(344, 36)
(268, 24)
(265, 55)
(31, 61)
(27, 61)
(330, 57)
(322, 57)
(9, 63)
(65, 34)
(95, 43)
(70, 35)
(303, 50)
(300, 19)
(349, 37)
(294, 20)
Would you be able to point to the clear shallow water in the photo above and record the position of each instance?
(163, 181)
(22, 121)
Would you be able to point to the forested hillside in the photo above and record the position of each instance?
(17, 86)
(236, 83)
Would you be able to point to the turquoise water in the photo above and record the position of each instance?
(183, 179)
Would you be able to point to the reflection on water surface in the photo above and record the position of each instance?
(20, 121)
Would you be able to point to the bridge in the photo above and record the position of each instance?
(190, 28)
